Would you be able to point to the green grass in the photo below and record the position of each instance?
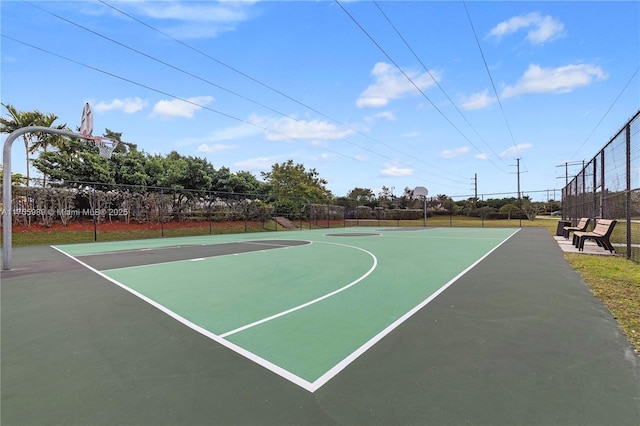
(616, 282)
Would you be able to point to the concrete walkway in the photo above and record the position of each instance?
(590, 247)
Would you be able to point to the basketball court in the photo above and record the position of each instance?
(340, 326)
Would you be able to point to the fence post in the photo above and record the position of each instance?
(328, 219)
(162, 212)
(95, 212)
(594, 191)
(208, 211)
(628, 200)
(603, 198)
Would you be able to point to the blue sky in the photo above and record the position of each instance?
(370, 94)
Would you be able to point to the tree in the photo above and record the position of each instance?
(288, 180)
(183, 174)
(509, 209)
(129, 168)
(386, 197)
(79, 161)
(16, 178)
(44, 140)
(242, 182)
(17, 120)
(531, 208)
(450, 205)
(290, 185)
(362, 196)
(85, 166)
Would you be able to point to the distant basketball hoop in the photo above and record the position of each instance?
(422, 192)
(105, 146)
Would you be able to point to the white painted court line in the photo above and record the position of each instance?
(314, 301)
(278, 247)
(318, 383)
(249, 355)
(305, 384)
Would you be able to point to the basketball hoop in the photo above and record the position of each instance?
(105, 146)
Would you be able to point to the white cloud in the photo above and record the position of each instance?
(555, 80)
(256, 164)
(127, 105)
(197, 19)
(391, 84)
(455, 152)
(180, 108)
(394, 171)
(385, 115)
(482, 157)
(478, 100)
(541, 28)
(233, 133)
(215, 147)
(547, 29)
(516, 150)
(288, 129)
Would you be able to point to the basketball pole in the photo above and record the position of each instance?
(7, 218)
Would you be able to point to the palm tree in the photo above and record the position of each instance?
(17, 120)
(44, 140)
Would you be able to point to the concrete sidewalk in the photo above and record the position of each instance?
(590, 247)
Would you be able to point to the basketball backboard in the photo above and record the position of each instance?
(86, 125)
(420, 191)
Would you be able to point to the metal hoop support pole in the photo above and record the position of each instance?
(7, 219)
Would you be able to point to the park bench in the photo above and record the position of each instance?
(600, 234)
(581, 227)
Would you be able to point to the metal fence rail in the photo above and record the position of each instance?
(608, 187)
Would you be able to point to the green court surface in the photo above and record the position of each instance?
(305, 304)
(406, 326)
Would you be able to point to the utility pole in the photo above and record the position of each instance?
(475, 189)
(475, 186)
(519, 198)
(518, 166)
(566, 170)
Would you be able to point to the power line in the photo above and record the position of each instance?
(233, 92)
(110, 74)
(486, 66)
(607, 111)
(279, 92)
(439, 86)
(404, 73)
(355, 21)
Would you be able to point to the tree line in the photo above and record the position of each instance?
(72, 162)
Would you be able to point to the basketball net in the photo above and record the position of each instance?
(105, 146)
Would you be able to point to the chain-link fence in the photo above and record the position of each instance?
(608, 187)
(110, 212)
(105, 208)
